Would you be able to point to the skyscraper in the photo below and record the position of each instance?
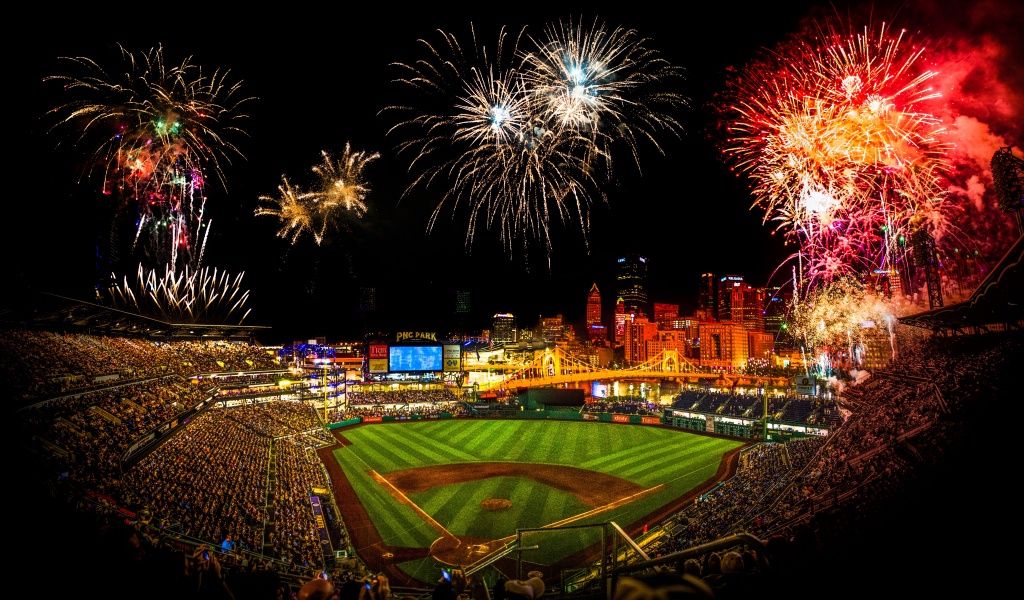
(596, 332)
(631, 279)
(504, 330)
(461, 302)
(619, 332)
(729, 296)
(706, 295)
(460, 313)
(593, 306)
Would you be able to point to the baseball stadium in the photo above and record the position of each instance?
(390, 461)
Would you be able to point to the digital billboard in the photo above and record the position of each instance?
(452, 358)
(378, 358)
(415, 358)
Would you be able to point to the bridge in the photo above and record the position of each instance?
(555, 367)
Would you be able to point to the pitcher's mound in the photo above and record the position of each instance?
(496, 504)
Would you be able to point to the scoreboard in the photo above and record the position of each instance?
(414, 358)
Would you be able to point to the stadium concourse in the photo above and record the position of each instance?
(132, 457)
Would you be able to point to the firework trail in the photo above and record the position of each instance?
(341, 188)
(522, 136)
(153, 131)
(837, 318)
(185, 296)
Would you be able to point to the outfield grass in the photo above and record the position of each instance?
(646, 456)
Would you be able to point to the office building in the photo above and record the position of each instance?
(596, 332)
(707, 297)
(723, 346)
(503, 330)
(619, 334)
(665, 314)
(631, 281)
(638, 333)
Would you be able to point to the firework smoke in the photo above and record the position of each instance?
(856, 139)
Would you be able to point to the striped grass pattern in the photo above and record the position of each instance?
(647, 456)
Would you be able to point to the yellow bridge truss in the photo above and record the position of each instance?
(555, 367)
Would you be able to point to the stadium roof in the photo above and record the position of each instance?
(995, 305)
(41, 310)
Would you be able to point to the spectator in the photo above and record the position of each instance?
(317, 589)
(530, 589)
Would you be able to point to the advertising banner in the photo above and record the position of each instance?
(378, 351)
(452, 354)
(805, 386)
(379, 365)
(650, 420)
(620, 418)
(321, 526)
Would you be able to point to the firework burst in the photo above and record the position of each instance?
(834, 130)
(186, 296)
(605, 82)
(153, 132)
(521, 136)
(341, 189)
(292, 207)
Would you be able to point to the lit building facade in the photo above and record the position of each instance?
(596, 332)
(729, 298)
(723, 345)
(552, 328)
(504, 330)
(673, 339)
(760, 346)
(460, 313)
(752, 310)
(593, 306)
(707, 300)
(631, 281)
(876, 348)
(638, 333)
(665, 314)
(619, 334)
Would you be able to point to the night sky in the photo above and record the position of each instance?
(319, 78)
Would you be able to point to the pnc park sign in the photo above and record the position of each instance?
(407, 336)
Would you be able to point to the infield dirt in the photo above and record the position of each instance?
(591, 488)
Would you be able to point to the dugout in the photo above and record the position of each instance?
(542, 398)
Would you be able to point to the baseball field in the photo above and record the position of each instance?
(419, 495)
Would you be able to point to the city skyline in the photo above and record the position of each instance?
(683, 208)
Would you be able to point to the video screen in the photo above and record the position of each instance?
(415, 358)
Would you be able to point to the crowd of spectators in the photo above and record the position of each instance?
(880, 485)
(623, 405)
(88, 433)
(42, 363)
(820, 503)
(399, 404)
